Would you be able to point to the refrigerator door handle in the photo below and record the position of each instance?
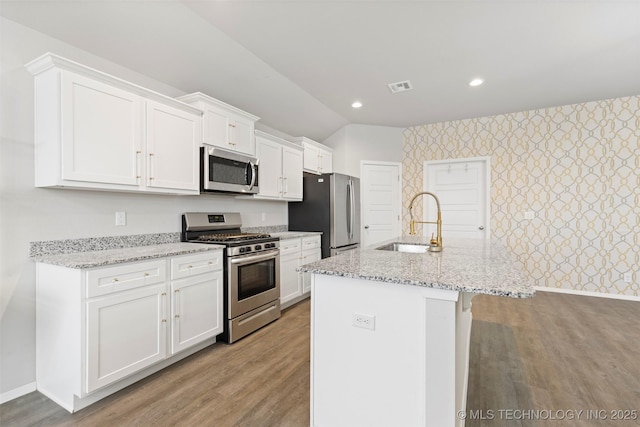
(351, 209)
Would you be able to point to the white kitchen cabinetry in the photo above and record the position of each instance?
(295, 286)
(318, 158)
(173, 139)
(290, 286)
(224, 125)
(280, 168)
(196, 281)
(99, 330)
(126, 332)
(95, 131)
(310, 252)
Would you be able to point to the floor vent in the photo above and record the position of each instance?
(400, 86)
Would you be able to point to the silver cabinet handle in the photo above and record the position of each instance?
(366, 227)
(481, 227)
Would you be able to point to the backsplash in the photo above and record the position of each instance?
(576, 166)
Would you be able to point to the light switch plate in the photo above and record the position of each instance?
(121, 219)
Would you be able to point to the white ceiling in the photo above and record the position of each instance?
(300, 64)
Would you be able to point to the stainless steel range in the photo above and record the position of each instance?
(252, 270)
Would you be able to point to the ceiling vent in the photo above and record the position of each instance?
(400, 86)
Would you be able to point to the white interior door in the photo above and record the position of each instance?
(463, 188)
(380, 189)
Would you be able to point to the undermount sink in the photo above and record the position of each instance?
(404, 247)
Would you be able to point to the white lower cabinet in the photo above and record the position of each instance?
(290, 288)
(125, 333)
(295, 286)
(311, 252)
(101, 329)
(192, 316)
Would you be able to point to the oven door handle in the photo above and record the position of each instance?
(253, 258)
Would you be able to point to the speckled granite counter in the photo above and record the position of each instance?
(475, 266)
(101, 251)
(284, 235)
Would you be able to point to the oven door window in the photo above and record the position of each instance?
(256, 278)
(229, 171)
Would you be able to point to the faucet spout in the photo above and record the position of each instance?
(436, 243)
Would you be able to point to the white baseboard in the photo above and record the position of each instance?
(587, 293)
(17, 392)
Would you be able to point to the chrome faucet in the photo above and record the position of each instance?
(435, 243)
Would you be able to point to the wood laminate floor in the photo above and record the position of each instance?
(532, 361)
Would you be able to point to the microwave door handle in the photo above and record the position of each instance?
(253, 175)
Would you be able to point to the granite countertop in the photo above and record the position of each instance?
(105, 257)
(284, 235)
(464, 265)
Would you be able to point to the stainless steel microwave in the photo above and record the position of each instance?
(227, 172)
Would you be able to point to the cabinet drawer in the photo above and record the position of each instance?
(289, 246)
(191, 265)
(312, 242)
(125, 276)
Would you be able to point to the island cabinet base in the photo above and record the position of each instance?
(386, 354)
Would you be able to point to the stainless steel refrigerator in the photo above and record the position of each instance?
(331, 204)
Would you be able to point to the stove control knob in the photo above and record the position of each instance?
(258, 247)
(243, 250)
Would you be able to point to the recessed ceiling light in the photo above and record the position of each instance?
(476, 82)
(357, 104)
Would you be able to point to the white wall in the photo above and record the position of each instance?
(354, 143)
(29, 214)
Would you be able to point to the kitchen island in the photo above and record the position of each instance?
(390, 330)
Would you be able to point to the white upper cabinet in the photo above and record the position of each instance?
(96, 131)
(280, 168)
(318, 158)
(223, 125)
(100, 129)
(173, 136)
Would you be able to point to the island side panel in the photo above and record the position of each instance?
(403, 372)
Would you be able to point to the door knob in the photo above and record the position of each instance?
(481, 227)
(366, 227)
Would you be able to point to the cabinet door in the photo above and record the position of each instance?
(292, 173)
(216, 127)
(173, 137)
(126, 332)
(101, 132)
(196, 310)
(289, 278)
(311, 154)
(270, 168)
(242, 136)
(325, 161)
(307, 257)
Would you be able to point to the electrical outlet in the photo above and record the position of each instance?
(363, 321)
(628, 277)
(121, 218)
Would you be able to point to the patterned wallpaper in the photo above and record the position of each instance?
(577, 167)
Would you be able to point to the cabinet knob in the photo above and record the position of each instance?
(146, 274)
(481, 228)
(366, 227)
(177, 316)
(189, 266)
(115, 279)
(164, 320)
